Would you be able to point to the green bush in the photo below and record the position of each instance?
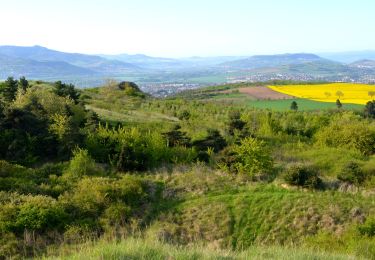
(352, 173)
(303, 176)
(9, 246)
(348, 131)
(81, 164)
(213, 140)
(127, 149)
(367, 228)
(40, 213)
(115, 215)
(250, 157)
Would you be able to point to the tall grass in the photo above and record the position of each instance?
(134, 248)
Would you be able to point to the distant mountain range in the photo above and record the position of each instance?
(265, 61)
(42, 63)
(37, 61)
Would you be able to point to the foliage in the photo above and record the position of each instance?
(250, 157)
(367, 228)
(370, 109)
(81, 164)
(294, 106)
(213, 140)
(184, 115)
(338, 104)
(302, 176)
(235, 122)
(131, 89)
(348, 131)
(352, 173)
(66, 90)
(119, 164)
(9, 89)
(176, 137)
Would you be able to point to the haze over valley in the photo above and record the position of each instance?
(165, 76)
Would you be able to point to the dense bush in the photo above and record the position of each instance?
(352, 173)
(303, 176)
(367, 228)
(250, 157)
(132, 149)
(213, 140)
(348, 131)
(81, 164)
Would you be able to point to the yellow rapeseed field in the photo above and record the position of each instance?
(346, 92)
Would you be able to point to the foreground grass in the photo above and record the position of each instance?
(132, 248)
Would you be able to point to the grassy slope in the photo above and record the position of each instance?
(146, 249)
(224, 212)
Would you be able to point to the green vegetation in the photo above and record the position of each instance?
(151, 249)
(111, 172)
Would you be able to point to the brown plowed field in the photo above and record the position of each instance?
(263, 93)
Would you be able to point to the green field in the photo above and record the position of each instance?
(303, 105)
(228, 94)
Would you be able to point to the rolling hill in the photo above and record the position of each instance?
(262, 61)
(15, 66)
(91, 64)
(155, 73)
(349, 56)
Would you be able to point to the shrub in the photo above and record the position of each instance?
(348, 132)
(370, 109)
(213, 140)
(249, 157)
(115, 215)
(184, 115)
(40, 213)
(367, 228)
(352, 173)
(81, 164)
(303, 176)
(176, 137)
(235, 123)
(127, 149)
(9, 246)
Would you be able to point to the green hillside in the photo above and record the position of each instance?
(113, 173)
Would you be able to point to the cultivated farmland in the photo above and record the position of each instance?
(346, 92)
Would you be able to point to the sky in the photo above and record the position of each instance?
(182, 28)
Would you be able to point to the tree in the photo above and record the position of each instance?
(251, 157)
(23, 83)
(338, 104)
(304, 176)
(339, 93)
(176, 137)
(294, 106)
(327, 94)
(66, 90)
(371, 94)
(370, 109)
(213, 140)
(352, 173)
(184, 115)
(10, 89)
(235, 122)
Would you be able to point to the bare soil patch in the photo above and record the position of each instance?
(264, 93)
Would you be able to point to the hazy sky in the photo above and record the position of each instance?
(189, 27)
